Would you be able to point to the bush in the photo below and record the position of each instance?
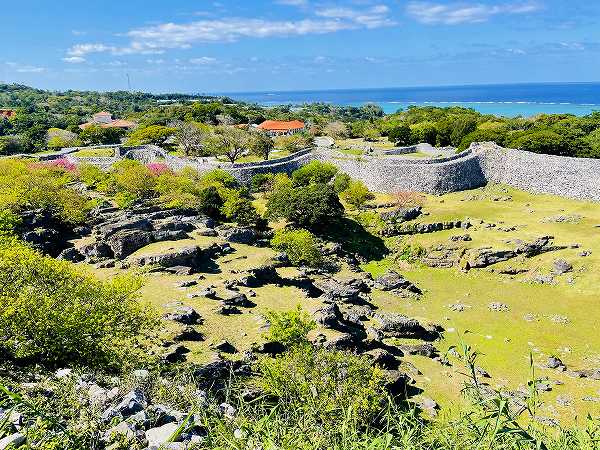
(314, 172)
(133, 180)
(289, 327)
(210, 201)
(325, 388)
(9, 223)
(341, 182)
(313, 206)
(219, 177)
(299, 245)
(26, 186)
(400, 135)
(239, 208)
(52, 314)
(262, 182)
(91, 175)
(357, 194)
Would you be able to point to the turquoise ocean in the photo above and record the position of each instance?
(508, 100)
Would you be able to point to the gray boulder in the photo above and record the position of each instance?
(160, 436)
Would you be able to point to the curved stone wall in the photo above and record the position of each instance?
(577, 178)
(395, 174)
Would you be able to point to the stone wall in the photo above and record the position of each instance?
(577, 178)
(389, 174)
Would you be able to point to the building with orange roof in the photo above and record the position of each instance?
(7, 113)
(105, 120)
(282, 128)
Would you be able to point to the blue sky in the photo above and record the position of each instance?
(243, 45)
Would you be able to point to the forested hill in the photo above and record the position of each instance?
(118, 102)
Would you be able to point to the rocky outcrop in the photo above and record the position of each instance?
(120, 233)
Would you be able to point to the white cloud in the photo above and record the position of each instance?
(24, 68)
(203, 61)
(374, 17)
(293, 2)
(157, 39)
(74, 59)
(458, 13)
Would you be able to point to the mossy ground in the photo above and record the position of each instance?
(506, 339)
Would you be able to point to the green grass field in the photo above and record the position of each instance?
(505, 339)
(94, 153)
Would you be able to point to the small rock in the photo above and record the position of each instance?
(561, 266)
(227, 410)
(12, 441)
(186, 284)
(224, 347)
(159, 436)
(498, 307)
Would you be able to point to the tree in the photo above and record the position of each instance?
(230, 142)
(313, 206)
(461, 127)
(260, 144)
(96, 135)
(153, 134)
(10, 145)
(337, 130)
(314, 172)
(357, 194)
(543, 141)
(400, 135)
(424, 132)
(57, 138)
(190, 137)
(299, 245)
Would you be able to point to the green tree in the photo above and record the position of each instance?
(260, 144)
(357, 194)
(227, 141)
(314, 172)
(153, 134)
(299, 245)
(97, 135)
(313, 206)
(400, 135)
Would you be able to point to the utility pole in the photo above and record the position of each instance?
(128, 83)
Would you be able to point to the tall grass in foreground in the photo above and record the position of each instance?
(307, 399)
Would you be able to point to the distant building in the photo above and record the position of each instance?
(105, 120)
(282, 128)
(7, 113)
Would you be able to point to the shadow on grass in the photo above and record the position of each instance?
(355, 239)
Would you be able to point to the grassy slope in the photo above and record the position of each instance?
(505, 338)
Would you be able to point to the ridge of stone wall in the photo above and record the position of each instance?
(577, 178)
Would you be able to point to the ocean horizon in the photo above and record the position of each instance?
(508, 100)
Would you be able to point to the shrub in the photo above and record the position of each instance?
(158, 169)
(9, 223)
(239, 208)
(400, 135)
(55, 315)
(289, 327)
(357, 194)
(341, 182)
(25, 186)
(314, 172)
(219, 177)
(262, 182)
(210, 201)
(134, 180)
(328, 389)
(299, 245)
(313, 206)
(91, 175)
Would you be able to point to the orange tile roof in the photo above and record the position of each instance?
(8, 113)
(277, 125)
(119, 123)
